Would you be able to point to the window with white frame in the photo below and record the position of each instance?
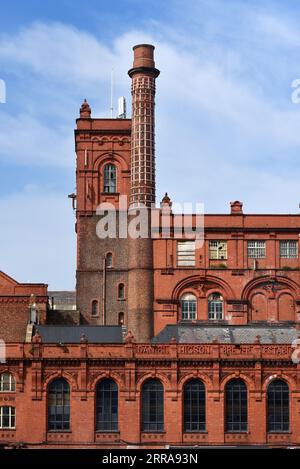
(215, 306)
(7, 382)
(7, 417)
(289, 249)
(186, 253)
(256, 249)
(218, 250)
(110, 178)
(188, 307)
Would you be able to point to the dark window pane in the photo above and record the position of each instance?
(59, 405)
(107, 406)
(152, 406)
(194, 406)
(278, 406)
(236, 406)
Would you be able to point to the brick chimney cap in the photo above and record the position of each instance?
(143, 60)
(143, 45)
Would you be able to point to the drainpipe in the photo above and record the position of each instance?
(104, 293)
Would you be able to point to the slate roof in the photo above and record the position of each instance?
(72, 334)
(197, 333)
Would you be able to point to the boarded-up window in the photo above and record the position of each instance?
(259, 307)
(186, 253)
(286, 307)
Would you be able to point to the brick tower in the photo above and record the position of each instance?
(115, 157)
(142, 191)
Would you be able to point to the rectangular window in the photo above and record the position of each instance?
(256, 249)
(218, 250)
(186, 255)
(289, 249)
(7, 417)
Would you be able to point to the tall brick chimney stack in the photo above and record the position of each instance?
(143, 75)
(142, 192)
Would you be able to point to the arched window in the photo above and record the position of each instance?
(107, 406)
(121, 291)
(121, 319)
(94, 308)
(109, 260)
(188, 307)
(59, 405)
(110, 178)
(236, 406)
(194, 406)
(152, 406)
(7, 417)
(215, 306)
(278, 403)
(7, 382)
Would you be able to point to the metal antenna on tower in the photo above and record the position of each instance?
(112, 94)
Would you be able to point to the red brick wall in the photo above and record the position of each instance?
(130, 366)
(268, 293)
(14, 307)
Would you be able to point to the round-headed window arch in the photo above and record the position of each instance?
(278, 406)
(121, 291)
(236, 406)
(194, 406)
(59, 405)
(121, 319)
(188, 303)
(94, 308)
(110, 178)
(215, 306)
(109, 261)
(107, 406)
(152, 406)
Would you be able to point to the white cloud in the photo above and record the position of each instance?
(226, 127)
(57, 52)
(27, 141)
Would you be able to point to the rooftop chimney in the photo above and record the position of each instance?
(236, 207)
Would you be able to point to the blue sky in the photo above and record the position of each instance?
(227, 128)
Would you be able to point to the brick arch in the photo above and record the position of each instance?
(244, 377)
(14, 374)
(104, 158)
(6, 369)
(164, 380)
(220, 285)
(287, 313)
(291, 286)
(188, 290)
(272, 377)
(200, 377)
(261, 310)
(61, 374)
(106, 375)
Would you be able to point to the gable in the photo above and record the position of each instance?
(7, 284)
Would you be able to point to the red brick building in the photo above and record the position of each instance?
(191, 342)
